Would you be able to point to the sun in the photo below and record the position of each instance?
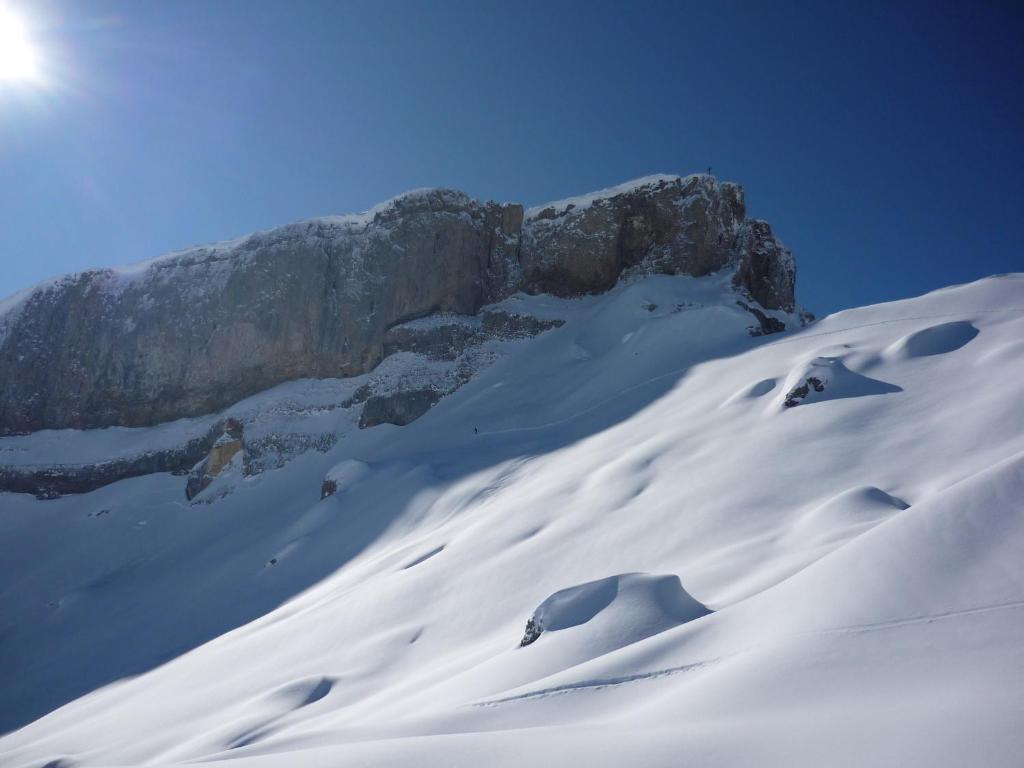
(18, 59)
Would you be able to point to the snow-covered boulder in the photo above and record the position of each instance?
(615, 611)
(828, 378)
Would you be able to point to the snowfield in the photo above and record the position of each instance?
(799, 549)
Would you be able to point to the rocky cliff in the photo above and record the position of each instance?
(197, 330)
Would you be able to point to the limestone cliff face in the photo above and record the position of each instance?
(195, 331)
(677, 226)
(191, 333)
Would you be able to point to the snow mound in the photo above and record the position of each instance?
(752, 391)
(846, 515)
(617, 610)
(343, 476)
(302, 693)
(828, 378)
(936, 340)
(347, 473)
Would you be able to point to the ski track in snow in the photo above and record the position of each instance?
(589, 685)
(598, 685)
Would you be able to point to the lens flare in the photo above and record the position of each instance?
(18, 59)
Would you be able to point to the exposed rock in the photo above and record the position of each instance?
(360, 396)
(328, 488)
(799, 392)
(671, 225)
(275, 450)
(448, 337)
(53, 481)
(198, 330)
(445, 339)
(765, 325)
(766, 271)
(508, 325)
(343, 476)
(533, 631)
(224, 450)
(194, 332)
(400, 408)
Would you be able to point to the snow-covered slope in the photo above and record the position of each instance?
(718, 578)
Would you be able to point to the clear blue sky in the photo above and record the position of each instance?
(882, 141)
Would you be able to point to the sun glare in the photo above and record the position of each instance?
(18, 60)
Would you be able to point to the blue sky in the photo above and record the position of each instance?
(882, 141)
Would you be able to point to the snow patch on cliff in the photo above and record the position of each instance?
(580, 202)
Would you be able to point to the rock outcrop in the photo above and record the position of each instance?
(765, 324)
(802, 390)
(195, 331)
(52, 481)
(446, 337)
(221, 454)
(399, 408)
(766, 271)
(691, 226)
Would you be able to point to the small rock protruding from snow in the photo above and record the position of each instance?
(802, 390)
(343, 475)
(533, 631)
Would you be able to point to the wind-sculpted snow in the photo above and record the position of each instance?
(827, 378)
(936, 340)
(617, 611)
(859, 556)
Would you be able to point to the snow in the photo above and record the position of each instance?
(936, 340)
(230, 249)
(347, 473)
(11, 306)
(77, 447)
(440, 320)
(859, 554)
(613, 612)
(16, 300)
(584, 201)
